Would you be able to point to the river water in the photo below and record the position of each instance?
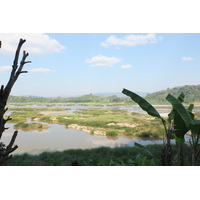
(58, 137)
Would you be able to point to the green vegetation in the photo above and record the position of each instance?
(181, 121)
(117, 122)
(75, 100)
(37, 109)
(103, 156)
(192, 94)
(112, 122)
(23, 115)
(30, 126)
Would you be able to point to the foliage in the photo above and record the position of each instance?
(37, 109)
(82, 99)
(145, 105)
(102, 156)
(112, 133)
(23, 115)
(30, 126)
(192, 93)
(88, 157)
(181, 121)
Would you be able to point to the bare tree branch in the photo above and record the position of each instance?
(9, 149)
(14, 75)
(4, 94)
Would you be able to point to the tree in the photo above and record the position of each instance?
(5, 151)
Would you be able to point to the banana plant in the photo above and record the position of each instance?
(146, 106)
(183, 122)
(180, 117)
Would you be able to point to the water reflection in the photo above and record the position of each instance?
(58, 138)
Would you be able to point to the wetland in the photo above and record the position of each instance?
(59, 127)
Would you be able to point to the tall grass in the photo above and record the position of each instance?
(95, 157)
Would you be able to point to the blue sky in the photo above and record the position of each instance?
(83, 63)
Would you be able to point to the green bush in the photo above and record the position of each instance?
(21, 125)
(111, 133)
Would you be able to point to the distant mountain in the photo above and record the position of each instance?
(192, 94)
(118, 94)
(104, 94)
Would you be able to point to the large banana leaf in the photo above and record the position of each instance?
(181, 97)
(195, 127)
(180, 127)
(185, 114)
(173, 112)
(145, 105)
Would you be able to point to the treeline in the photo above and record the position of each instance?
(82, 99)
(192, 94)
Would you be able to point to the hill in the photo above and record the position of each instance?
(90, 98)
(192, 94)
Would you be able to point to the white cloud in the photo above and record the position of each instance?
(36, 43)
(101, 60)
(131, 40)
(126, 66)
(39, 70)
(5, 68)
(186, 58)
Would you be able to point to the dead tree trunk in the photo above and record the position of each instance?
(4, 94)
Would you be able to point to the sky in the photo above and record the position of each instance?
(70, 64)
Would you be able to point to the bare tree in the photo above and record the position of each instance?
(5, 151)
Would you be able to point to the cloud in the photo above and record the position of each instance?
(126, 66)
(36, 44)
(186, 59)
(131, 40)
(5, 68)
(101, 60)
(40, 70)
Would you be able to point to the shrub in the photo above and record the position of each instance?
(21, 125)
(111, 133)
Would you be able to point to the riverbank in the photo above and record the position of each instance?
(102, 156)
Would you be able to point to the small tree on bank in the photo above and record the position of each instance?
(5, 151)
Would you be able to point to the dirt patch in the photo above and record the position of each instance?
(86, 129)
(122, 124)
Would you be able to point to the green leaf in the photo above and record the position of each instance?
(190, 108)
(145, 105)
(180, 109)
(172, 114)
(195, 127)
(181, 97)
(145, 149)
(180, 141)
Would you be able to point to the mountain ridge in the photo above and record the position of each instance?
(191, 92)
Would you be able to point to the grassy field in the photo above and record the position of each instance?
(103, 156)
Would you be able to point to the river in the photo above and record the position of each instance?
(58, 137)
